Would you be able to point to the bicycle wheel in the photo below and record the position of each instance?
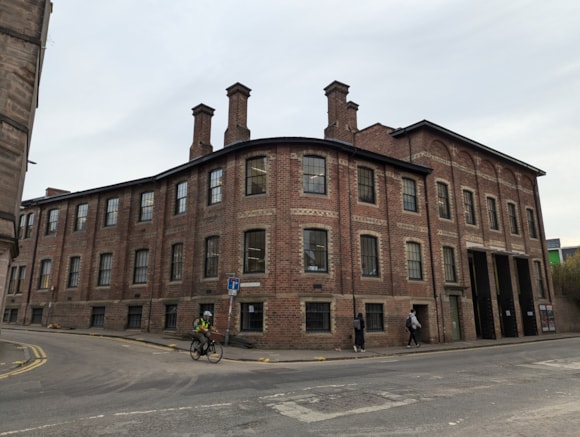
(215, 352)
(194, 349)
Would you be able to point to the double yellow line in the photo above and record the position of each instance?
(36, 359)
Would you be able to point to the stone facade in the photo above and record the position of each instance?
(23, 31)
(373, 221)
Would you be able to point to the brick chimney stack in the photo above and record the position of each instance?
(238, 114)
(341, 115)
(201, 145)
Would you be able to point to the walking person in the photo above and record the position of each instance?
(359, 333)
(413, 325)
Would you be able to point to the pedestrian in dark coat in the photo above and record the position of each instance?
(359, 333)
(413, 326)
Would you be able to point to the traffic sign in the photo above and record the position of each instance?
(233, 285)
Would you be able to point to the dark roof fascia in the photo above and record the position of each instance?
(334, 144)
(337, 145)
(429, 125)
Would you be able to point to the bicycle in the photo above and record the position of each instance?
(213, 353)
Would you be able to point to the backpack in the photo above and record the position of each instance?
(356, 324)
(409, 323)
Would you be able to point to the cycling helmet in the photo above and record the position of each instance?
(207, 313)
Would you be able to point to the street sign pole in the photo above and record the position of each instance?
(233, 287)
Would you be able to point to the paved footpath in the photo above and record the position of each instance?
(14, 355)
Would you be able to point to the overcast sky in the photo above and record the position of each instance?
(120, 78)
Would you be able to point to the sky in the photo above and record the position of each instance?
(120, 78)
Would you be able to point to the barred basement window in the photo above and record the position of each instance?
(98, 317)
(409, 195)
(317, 317)
(73, 272)
(252, 317)
(134, 317)
(171, 316)
(374, 317)
(366, 185)
(36, 316)
(314, 175)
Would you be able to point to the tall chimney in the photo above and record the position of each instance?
(351, 109)
(238, 114)
(338, 115)
(201, 145)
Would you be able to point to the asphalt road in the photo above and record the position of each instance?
(96, 386)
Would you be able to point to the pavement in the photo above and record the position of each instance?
(14, 355)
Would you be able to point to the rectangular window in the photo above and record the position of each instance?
(469, 207)
(539, 280)
(369, 256)
(105, 269)
(492, 213)
(29, 225)
(256, 176)
(317, 317)
(74, 271)
(214, 194)
(532, 223)
(81, 217)
(414, 262)
(98, 317)
(134, 317)
(36, 316)
(513, 218)
(146, 211)
(409, 195)
(366, 185)
(112, 214)
(171, 316)
(45, 274)
(21, 277)
(181, 198)
(314, 175)
(315, 250)
(449, 264)
(21, 227)
(52, 222)
(374, 317)
(13, 281)
(141, 266)
(255, 251)
(177, 262)
(443, 200)
(252, 317)
(212, 256)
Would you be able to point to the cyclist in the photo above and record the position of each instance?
(202, 328)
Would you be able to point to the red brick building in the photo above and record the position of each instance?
(375, 221)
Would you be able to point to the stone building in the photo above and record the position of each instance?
(23, 32)
(375, 220)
